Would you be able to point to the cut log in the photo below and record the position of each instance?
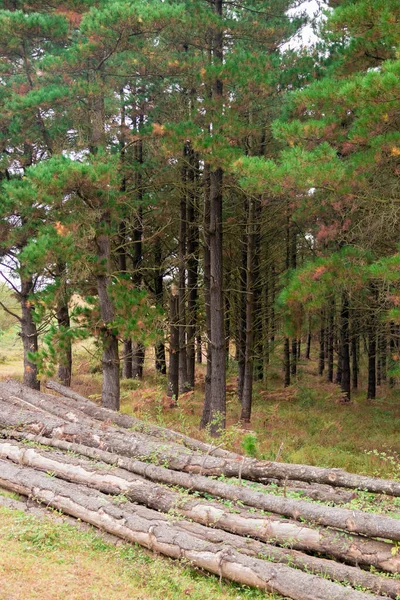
(317, 566)
(148, 528)
(129, 422)
(129, 445)
(34, 400)
(352, 549)
(230, 464)
(314, 491)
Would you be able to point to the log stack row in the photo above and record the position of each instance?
(189, 500)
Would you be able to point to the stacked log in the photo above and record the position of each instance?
(123, 477)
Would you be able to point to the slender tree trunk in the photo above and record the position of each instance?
(345, 347)
(218, 377)
(286, 344)
(127, 352)
(183, 376)
(272, 304)
(308, 345)
(160, 364)
(29, 333)
(192, 265)
(321, 360)
(330, 336)
(63, 320)
(227, 316)
(205, 419)
(293, 265)
(138, 351)
(266, 326)
(371, 392)
(241, 337)
(218, 383)
(199, 350)
(286, 362)
(110, 360)
(123, 242)
(354, 351)
(174, 349)
(382, 358)
(249, 344)
(258, 370)
(293, 365)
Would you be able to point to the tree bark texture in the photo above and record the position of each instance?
(174, 349)
(29, 333)
(150, 529)
(352, 549)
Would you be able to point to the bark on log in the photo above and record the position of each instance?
(85, 408)
(261, 470)
(128, 422)
(352, 549)
(133, 446)
(316, 566)
(150, 529)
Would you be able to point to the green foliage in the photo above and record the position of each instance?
(249, 445)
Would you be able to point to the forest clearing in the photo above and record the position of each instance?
(199, 298)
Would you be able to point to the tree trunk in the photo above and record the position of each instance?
(321, 359)
(371, 392)
(206, 415)
(331, 337)
(218, 351)
(183, 377)
(138, 355)
(247, 394)
(308, 345)
(286, 362)
(160, 364)
(110, 359)
(192, 265)
(138, 351)
(29, 333)
(63, 320)
(174, 348)
(110, 396)
(383, 354)
(258, 370)
(354, 351)
(241, 317)
(199, 350)
(345, 347)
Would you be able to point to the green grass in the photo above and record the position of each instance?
(50, 561)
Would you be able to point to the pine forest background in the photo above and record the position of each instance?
(203, 213)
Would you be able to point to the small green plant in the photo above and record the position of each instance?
(249, 444)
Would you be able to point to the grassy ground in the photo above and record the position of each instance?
(305, 423)
(46, 561)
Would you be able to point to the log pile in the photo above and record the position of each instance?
(189, 500)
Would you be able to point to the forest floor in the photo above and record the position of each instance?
(305, 423)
